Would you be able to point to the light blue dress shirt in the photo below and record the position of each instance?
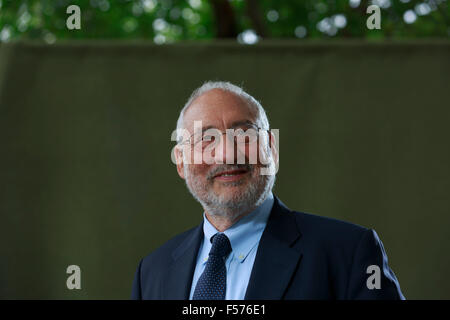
(244, 237)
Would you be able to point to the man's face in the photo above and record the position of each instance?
(228, 185)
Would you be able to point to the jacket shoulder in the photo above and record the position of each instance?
(322, 223)
(163, 253)
(329, 233)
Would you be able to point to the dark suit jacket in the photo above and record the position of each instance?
(300, 256)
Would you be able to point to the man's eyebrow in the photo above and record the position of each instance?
(233, 125)
(207, 128)
(241, 123)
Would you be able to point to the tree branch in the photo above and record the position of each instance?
(257, 18)
(225, 19)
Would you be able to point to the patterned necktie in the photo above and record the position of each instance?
(212, 283)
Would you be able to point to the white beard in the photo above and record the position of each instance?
(230, 208)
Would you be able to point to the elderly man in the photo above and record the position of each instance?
(250, 245)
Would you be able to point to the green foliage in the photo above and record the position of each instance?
(175, 20)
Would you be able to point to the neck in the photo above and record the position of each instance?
(222, 223)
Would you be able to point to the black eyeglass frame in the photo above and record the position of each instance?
(253, 126)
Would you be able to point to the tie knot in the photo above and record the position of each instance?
(221, 246)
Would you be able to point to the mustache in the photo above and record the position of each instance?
(226, 167)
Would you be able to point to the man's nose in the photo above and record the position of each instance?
(225, 150)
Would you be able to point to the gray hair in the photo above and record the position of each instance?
(261, 119)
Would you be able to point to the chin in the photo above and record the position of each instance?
(226, 186)
(231, 193)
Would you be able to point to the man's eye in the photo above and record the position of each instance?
(246, 133)
(208, 138)
(249, 132)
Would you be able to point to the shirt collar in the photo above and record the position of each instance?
(244, 234)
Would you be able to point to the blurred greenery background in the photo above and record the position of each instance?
(248, 21)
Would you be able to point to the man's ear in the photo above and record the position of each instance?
(274, 148)
(179, 161)
(273, 139)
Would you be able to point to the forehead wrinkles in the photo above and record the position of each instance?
(221, 101)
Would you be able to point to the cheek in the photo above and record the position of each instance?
(198, 171)
(247, 154)
(193, 155)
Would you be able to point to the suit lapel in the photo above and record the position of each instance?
(177, 284)
(277, 259)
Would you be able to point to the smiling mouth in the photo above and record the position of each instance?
(231, 175)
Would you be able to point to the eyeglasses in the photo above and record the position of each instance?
(239, 136)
